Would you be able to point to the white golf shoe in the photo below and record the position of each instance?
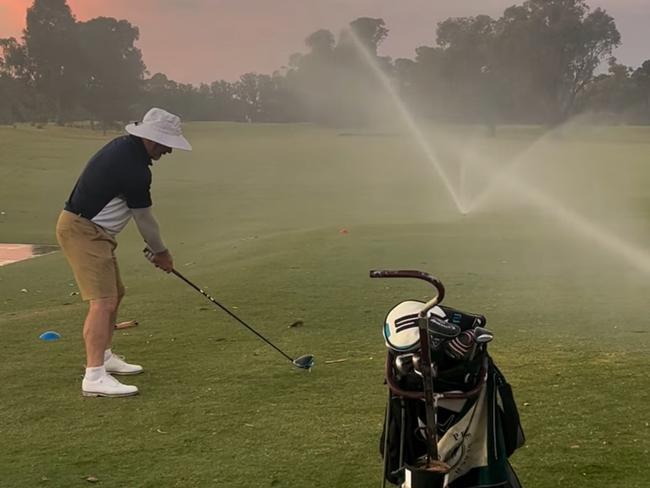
(107, 386)
(116, 365)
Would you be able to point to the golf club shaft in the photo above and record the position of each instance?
(386, 429)
(231, 314)
(430, 402)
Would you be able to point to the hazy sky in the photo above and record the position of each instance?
(207, 40)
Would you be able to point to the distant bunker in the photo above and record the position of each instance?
(14, 253)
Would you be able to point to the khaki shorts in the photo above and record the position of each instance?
(90, 250)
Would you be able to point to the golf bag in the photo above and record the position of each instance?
(476, 420)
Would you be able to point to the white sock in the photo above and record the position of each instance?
(107, 355)
(95, 373)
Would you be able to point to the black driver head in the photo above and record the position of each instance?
(304, 362)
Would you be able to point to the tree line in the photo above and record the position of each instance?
(537, 63)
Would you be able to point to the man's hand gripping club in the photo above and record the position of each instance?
(162, 260)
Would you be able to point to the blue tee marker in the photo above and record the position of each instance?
(50, 335)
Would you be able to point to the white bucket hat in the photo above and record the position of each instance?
(162, 127)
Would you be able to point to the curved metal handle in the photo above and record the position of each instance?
(421, 275)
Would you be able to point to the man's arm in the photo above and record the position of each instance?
(150, 232)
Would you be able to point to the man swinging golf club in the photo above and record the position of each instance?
(113, 187)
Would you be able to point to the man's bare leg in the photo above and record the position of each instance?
(115, 364)
(113, 321)
(98, 329)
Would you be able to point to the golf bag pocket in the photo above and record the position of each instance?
(513, 433)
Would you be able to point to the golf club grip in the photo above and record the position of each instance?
(411, 273)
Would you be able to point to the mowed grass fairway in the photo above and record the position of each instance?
(254, 214)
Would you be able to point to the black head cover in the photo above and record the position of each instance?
(439, 327)
(441, 331)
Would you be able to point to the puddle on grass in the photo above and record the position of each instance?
(13, 253)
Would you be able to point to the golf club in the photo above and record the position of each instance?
(432, 463)
(303, 362)
(483, 336)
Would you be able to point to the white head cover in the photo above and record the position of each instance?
(401, 331)
(162, 127)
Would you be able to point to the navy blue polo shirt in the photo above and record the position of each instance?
(119, 169)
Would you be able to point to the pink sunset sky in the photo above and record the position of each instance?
(196, 41)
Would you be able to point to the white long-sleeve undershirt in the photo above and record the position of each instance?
(148, 228)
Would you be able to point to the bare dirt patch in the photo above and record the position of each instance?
(13, 253)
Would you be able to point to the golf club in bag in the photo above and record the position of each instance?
(451, 421)
(303, 362)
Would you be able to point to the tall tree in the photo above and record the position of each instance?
(641, 78)
(361, 96)
(224, 97)
(16, 83)
(321, 42)
(421, 81)
(371, 32)
(554, 47)
(14, 60)
(52, 44)
(112, 67)
(311, 78)
(160, 91)
(260, 97)
(465, 64)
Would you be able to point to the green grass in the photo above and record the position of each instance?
(253, 214)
